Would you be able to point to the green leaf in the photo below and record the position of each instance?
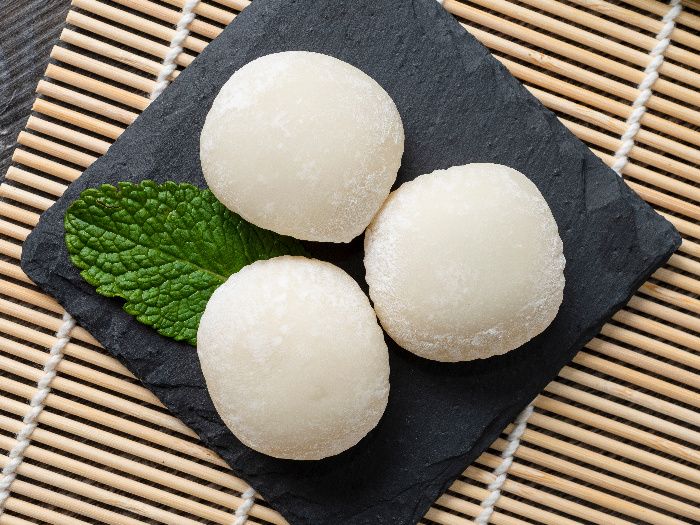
(164, 248)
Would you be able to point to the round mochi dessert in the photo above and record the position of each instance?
(465, 263)
(294, 358)
(302, 144)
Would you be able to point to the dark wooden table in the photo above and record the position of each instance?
(28, 30)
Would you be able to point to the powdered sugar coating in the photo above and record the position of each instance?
(465, 263)
(302, 144)
(294, 359)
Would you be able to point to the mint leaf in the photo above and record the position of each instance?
(164, 248)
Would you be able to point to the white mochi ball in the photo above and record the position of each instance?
(465, 263)
(294, 358)
(302, 144)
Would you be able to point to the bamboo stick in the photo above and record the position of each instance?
(23, 196)
(619, 127)
(660, 8)
(126, 445)
(564, 49)
(138, 23)
(12, 230)
(689, 247)
(666, 313)
(615, 485)
(68, 135)
(553, 501)
(660, 330)
(641, 379)
(57, 150)
(445, 518)
(550, 83)
(10, 249)
(127, 78)
(122, 96)
(171, 16)
(648, 363)
(42, 514)
(81, 372)
(652, 177)
(238, 5)
(14, 271)
(459, 505)
(46, 165)
(683, 263)
(504, 502)
(25, 293)
(36, 181)
(98, 47)
(28, 295)
(77, 119)
(6, 519)
(129, 486)
(84, 102)
(150, 415)
(588, 39)
(684, 227)
(125, 37)
(611, 426)
(93, 492)
(606, 463)
(671, 297)
(629, 394)
(472, 509)
(680, 281)
(623, 488)
(617, 447)
(207, 11)
(637, 153)
(18, 214)
(618, 410)
(625, 34)
(71, 349)
(666, 201)
(128, 466)
(653, 25)
(579, 74)
(44, 320)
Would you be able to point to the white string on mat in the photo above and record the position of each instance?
(37, 403)
(501, 471)
(175, 47)
(248, 501)
(652, 75)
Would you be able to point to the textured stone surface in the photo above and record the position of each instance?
(458, 105)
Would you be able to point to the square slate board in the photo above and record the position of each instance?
(458, 105)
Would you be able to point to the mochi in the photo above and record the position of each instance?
(465, 263)
(302, 144)
(294, 359)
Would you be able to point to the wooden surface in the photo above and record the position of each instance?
(615, 439)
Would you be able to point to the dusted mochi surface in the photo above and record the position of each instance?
(294, 358)
(465, 263)
(302, 144)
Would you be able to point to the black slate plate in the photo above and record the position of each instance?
(458, 105)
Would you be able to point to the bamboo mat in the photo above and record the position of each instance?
(615, 439)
